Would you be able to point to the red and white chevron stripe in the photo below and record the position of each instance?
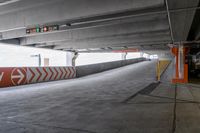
(12, 76)
(42, 74)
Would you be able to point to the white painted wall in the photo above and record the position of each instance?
(18, 56)
(93, 58)
(133, 55)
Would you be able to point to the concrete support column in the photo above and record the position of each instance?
(124, 55)
(74, 59)
(181, 67)
(141, 54)
(69, 56)
(148, 57)
(181, 61)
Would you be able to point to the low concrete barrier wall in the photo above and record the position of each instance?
(13, 76)
(96, 68)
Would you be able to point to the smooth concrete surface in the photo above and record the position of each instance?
(102, 25)
(96, 19)
(95, 104)
(100, 67)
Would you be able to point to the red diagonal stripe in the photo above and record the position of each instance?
(69, 72)
(40, 74)
(61, 73)
(56, 74)
(66, 72)
(51, 73)
(44, 69)
(33, 75)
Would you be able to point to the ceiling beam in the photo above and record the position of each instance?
(16, 33)
(181, 21)
(111, 41)
(122, 43)
(68, 10)
(95, 32)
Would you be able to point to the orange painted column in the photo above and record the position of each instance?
(177, 77)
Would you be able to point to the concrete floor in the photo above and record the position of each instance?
(109, 102)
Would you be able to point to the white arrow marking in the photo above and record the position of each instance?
(20, 76)
(1, 76)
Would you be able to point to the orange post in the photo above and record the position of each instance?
(177, 78)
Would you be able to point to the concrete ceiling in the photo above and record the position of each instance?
(98, 24)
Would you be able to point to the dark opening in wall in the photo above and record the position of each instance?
(194, 33)
(194, 65)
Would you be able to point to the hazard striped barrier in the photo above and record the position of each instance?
(161, 67)
(28, 75)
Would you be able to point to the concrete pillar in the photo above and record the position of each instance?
(181, 61)
(124, 56)
(74, 59)
(148, 56)
(141, 54)
(39, 60)
(181, 67)
(69, 56)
